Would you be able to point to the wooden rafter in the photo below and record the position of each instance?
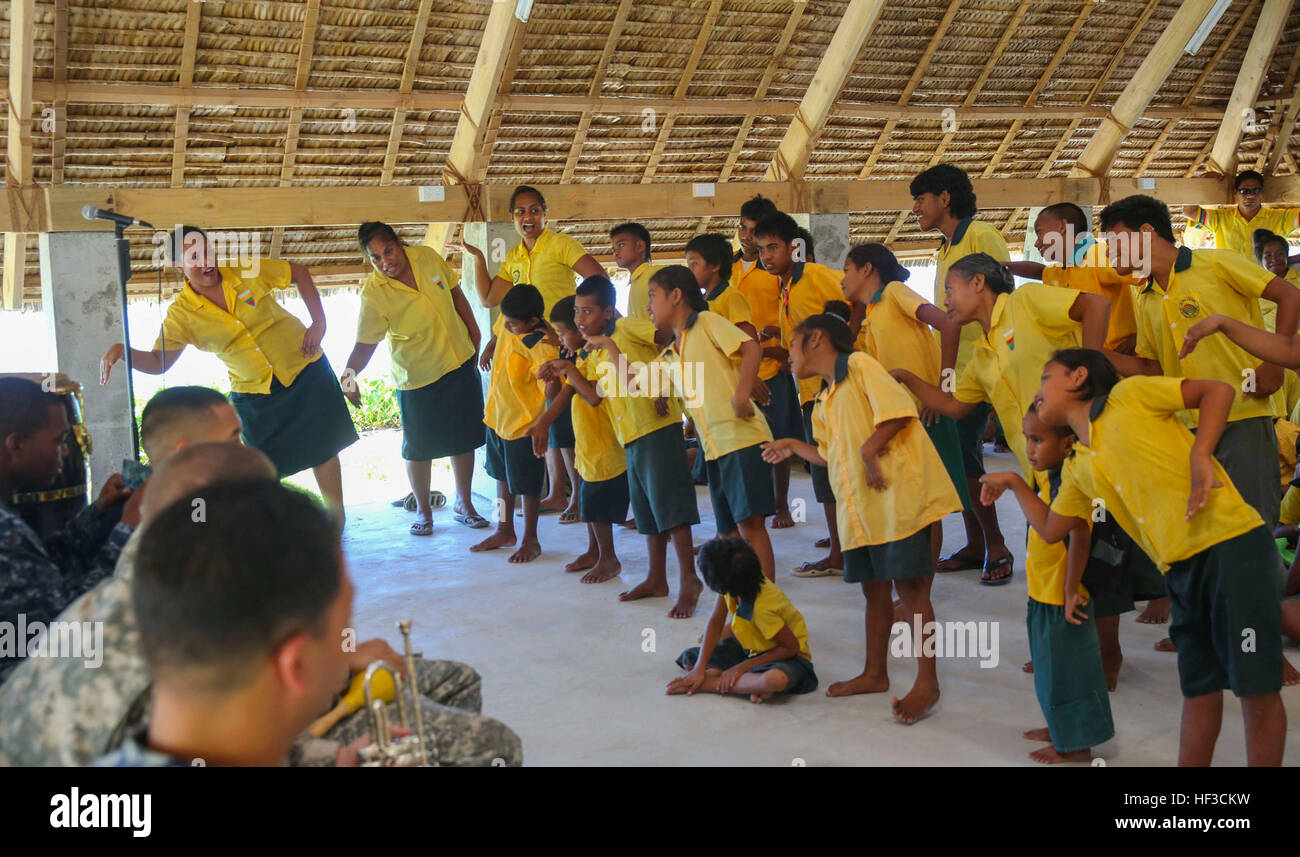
(1279, 133)
(1263, 42)
(18, 153)
(193, 13)
(597, 81)
(58, 141)
(306, 49)
(408, 80)
(1282, 138)
(697, 51)
(494, 121)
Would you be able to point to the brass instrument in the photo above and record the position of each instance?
(385, 751)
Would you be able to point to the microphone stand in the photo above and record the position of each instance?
(123, 275)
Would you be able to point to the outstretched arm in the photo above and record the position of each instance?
(148, 362)
(931, 396)
(779, 450)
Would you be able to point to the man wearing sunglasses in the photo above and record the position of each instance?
(1234, 227)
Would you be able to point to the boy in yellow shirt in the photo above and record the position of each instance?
(709, 259)
(631, 246)
(756, 642)
(1233, 226)
(516, 400)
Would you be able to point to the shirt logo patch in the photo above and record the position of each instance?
(1010, 338)
(1189, 307)
(438, 281)
(247, 297)
(514, 277)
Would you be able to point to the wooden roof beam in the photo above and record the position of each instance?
(1263, 42)
(189, 50)
(18, 152)
(697, 51)
(597, 81)
(306, 49)
(408, 81)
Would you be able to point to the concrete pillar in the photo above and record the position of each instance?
(830, 234)
(82, 301)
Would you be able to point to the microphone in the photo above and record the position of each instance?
(90, 212)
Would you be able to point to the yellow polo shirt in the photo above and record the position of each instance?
(638, 294)
(253, 335)
(707, 370)
(516, 397)
(1287, 432)
(1268, 309)
(1046, 565)
(970, 236)
(1234, 232)
(597, 454)
(1006, 365)
(763, 292)
(632, 416)
(893, 335)
(1095, 276)
(1137, 466)
(730, 303)
(757, 623)
(426, 336)
(1203, 283)
(810, 287)
(918, 490)
(549, 266)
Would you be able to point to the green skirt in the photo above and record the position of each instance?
(1068, 678)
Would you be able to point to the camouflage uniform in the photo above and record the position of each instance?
(38, 579)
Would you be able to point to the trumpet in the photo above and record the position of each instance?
(385, 751)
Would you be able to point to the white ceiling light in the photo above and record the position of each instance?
(523, 8)
(1203, 32)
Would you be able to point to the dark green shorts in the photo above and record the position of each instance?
(560, 434)
(513, 462)
(821, 477)
(740, 486)
(1226, 617)
(1248, 452)
(782, 413)
(799, 674)
(1068, 678)
(947, 443)
(906, 559)
(970, 432)
(604, 502)
(659, 481)
(443, 418)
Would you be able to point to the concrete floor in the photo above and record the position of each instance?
(564, 663)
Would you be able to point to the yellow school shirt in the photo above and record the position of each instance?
(426, 336)
(728, 301)
(1268, 309)
(549, 266)
(1006, 365)
(1287, 432)
(516, 397)
(707, 368)
(970, 236)
(763, 292)
(810, 287)
(1203, 283)
(1234, 232)
(1094, 275)
(1290, 512)
(918, 490)
(638, 294)
(597, 454)
(892, 334)
(1046, 565)
(631, 416)
(253, 335)
(756, 623)
(1137, 468)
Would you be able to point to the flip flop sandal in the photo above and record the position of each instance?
(816, 569)
(997, 581)
(401, 504)
(437, 499)
(570, 518)
(422, 528)
(966, 565)
(474, 522)
(823, 543)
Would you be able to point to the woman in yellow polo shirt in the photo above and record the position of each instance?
(412, 299)
(547, 260)
(281, 383)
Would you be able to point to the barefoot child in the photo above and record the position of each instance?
(890, 485)
(516, 399)
(1164, 487)
(601, 464)
(716, 365)
(756, 643)
(658, 473)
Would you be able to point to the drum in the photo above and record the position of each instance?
(46, 511)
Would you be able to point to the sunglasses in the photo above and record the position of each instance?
(1250, 191)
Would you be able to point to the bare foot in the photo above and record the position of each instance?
(1043, 734)
(1165, 645)
(1110, 665)
(1157, 612)
(918, 703)
(686, 600)
(630, 524)
(759, 697)
(861, 683)
(1049, 756)
(554, 504)
(644, 589)
(584, 562)
(494, 541)
(1289, 675)
(1028, 667)
(709, 685)
(530, 550)
(782, 520)
(606, 569)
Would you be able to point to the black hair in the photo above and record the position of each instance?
(832, 322)
(729, 566)
(523, 189)
(600, 287)
(996, 275)
(678, 278)
(1246, 175)
(523, 303)
(881, 259)
(372, 229)
(172, 404)
(1137, 211)
(201, 602)
(714, 249)
(1059, 431)
(1102, 376)
(946, 177)
(563, 311)
(758, 208)
(24, 407)
(636, 230)
(1071, 214)
(176, 243)
(809, 247)
(1264, 237)
(779, 225)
